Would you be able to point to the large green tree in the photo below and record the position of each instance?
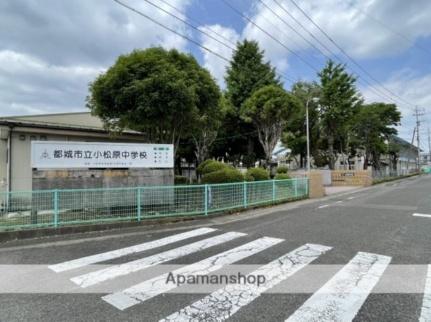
(155, 91)
(270, 109)
(338, 101)
(205, 127)
(246, 73)
(295, 135)
(373, 126)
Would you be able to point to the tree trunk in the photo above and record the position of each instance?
(366, 161)
(331, 152)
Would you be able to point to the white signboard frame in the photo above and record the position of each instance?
(68, 154)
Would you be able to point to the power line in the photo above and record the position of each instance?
(346, 54)
(293, 29)
(171, 30)
(188, 38)
(188, 24)
(285, 35)
(196, 21)
(199, 30)
(269, 35)
(375, 90)
(360, 79)
(381, 94)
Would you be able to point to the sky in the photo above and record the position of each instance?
(51, 50)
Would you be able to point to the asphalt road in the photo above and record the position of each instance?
(359, 256)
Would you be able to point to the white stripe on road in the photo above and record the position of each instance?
(155, 286)
(343, 295)
(88, 260)
(422, 215)
(426, 302)
(224, 302)
(143, 263)
(323, 206)
(350, 198)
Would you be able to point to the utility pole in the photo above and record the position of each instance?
(308, 136)
(429, 146)
(418, 123)
(307, 122)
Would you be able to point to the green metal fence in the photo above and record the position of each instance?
(54, 208)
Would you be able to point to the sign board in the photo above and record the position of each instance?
(66, 154)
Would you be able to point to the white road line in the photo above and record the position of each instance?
(426, 302)
(323, 206)
(140, 264)
(224, 302)
(339, 201)
(421, 215)
(88, 260)
(155, 286)
(343, 295)
(350, 198)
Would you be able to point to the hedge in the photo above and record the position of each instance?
(202, 165)
(256, 174)
(281, 176)
(211, 166)
(282, 169)
(223, 176)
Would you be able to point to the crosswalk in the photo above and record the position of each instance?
(339, 299)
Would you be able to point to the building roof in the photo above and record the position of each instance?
(82, 121)
(403, 143)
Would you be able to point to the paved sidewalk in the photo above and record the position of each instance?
(330, 190)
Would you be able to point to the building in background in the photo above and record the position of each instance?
(17, 133)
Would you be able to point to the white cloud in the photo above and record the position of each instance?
(412, 88)
(343, 20)
(34, 86)
(214, 64)
(50, 51)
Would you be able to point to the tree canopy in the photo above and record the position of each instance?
(372, 128)
(154, 91)
(269, 109)
(338, 102)
(295, 136)
(168, 97)
(246, 73)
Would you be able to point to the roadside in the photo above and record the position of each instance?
(74, 235)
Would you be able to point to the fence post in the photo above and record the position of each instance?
(307, 181)
(55, 208)
(244, 190)
(273, 190)
(138, 203)
(206, 200)
(296, 187)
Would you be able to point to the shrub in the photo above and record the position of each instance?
(256, 174)
(282, 169)
(181, 180)
(222, 176)
(203, 164)
(213, 166)
(281, 176)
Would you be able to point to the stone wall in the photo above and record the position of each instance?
(99, 178)
(351, 178)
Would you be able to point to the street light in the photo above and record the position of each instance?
(314, 99)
